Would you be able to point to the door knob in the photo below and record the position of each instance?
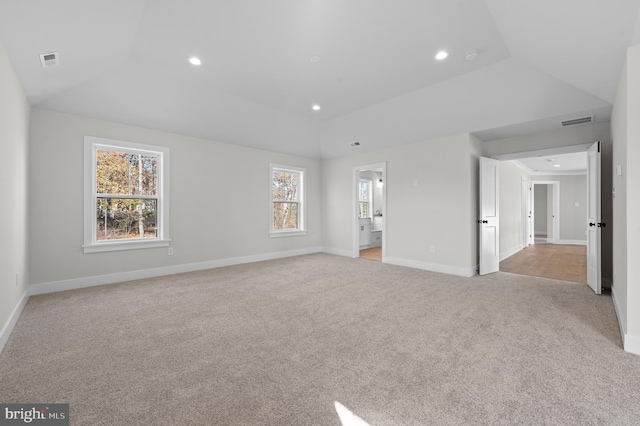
(602, 225)
(592, 224)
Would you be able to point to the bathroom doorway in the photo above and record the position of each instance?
(369, 183)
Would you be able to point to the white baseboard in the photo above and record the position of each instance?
(574, 242)
(509, 253)
(433, 267)
(616, 308)
(76, 283)
(630, 343)
(337, 252)
(13, 319)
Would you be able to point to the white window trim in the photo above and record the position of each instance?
(370, 200)
(301, 202)
(91, 244)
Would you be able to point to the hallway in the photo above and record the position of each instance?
(555, 261)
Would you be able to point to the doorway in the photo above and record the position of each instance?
(544, 219)
(369, 213)
(547, 255)
(545, 212)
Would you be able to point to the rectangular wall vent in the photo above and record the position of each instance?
(578, 121)
(49, 59)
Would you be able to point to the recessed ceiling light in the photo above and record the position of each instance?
(441, 55)
(315, 58)
(195, 61)
(556, 165)
(316, 107)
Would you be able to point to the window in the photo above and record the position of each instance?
(287, 201)
(126, 195)
(364, 198)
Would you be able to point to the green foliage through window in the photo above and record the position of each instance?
(126, 188)
(364, 198)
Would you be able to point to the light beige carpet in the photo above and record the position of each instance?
(278, 342)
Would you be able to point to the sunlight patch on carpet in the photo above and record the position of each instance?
(347, 418)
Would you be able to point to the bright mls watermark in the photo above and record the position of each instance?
(34, 414)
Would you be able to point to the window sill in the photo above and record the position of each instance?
(121, 245)
(286, 234)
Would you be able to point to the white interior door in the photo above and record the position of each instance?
(594, 219)
(489, 216)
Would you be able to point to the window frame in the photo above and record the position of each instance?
(91, 244)
(369, 201)
(302, 227)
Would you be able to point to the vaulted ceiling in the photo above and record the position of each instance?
(369, 65)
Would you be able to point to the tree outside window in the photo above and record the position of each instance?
(364, 198)
(126, 195)
(287, 196)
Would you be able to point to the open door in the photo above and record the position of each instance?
(489, 215)
(594, 219)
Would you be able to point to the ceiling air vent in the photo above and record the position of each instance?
(354, 144)
(578, 121)
(49, 59)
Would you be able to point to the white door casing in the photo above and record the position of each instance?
(355, 250)
(489, 216)
(530, 222)
(594, 218)
(524, 193)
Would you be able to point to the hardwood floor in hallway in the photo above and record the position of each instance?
(374, 253)
(556, 261)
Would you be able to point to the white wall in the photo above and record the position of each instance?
(633, 196)
(439, 211)
(625, 130)
(219, 201)
(14, 139)
(510, 208)
(573, 219)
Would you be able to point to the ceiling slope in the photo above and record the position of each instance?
(582, 42)
(369, 50)
(164, 103)
(495, 96)
(376, 81)
(91, 37)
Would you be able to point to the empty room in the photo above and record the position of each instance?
(193, 192)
